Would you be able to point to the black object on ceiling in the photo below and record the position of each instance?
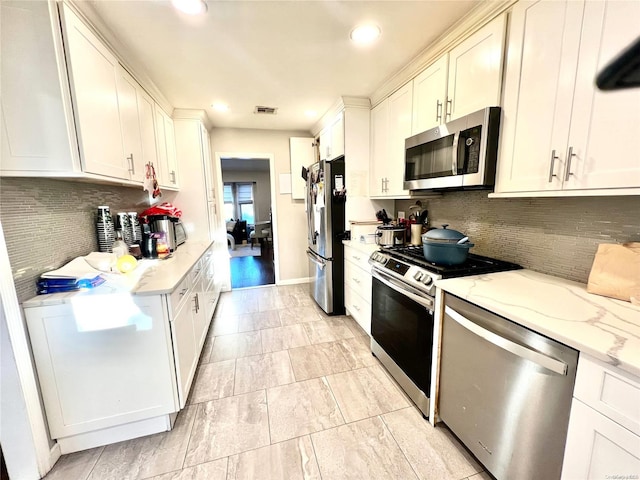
(623, 71)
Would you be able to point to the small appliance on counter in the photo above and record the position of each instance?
(163, 220)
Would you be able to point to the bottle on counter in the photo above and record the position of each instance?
(119, 247)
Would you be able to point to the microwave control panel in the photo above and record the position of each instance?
(470, 141)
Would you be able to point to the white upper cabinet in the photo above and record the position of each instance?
(332, 139)
(167, 166)
(92, 75)
(130, 126)
(559, 133)
(146, 117)
(390, 126)
(38, 137)
(430, 96)
(475, 71)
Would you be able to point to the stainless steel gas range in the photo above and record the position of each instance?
(402, 319)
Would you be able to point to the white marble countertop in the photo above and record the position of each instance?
(363, 247)
(602, 327)
(150, 277)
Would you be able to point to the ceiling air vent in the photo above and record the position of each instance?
(265, 110)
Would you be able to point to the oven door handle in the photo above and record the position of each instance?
(534, 356)
(402, 288)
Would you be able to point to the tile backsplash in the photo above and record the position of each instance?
(558, 236)
(49, 222)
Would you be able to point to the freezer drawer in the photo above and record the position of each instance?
(505, 391)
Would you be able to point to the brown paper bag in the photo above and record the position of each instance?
(616, 272)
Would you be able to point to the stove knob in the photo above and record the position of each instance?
(418, 276)
(427, 280)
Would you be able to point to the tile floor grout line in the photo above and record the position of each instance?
(197, 407)
(94, 463)
(418, 477)
(325, 380)
(315, 454)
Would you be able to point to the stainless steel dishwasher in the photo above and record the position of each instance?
(505, 391)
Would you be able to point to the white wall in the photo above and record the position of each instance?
(290, 215)
(262, 200)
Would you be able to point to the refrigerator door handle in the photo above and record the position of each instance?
(319, 262)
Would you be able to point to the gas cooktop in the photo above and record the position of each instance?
(474, 265)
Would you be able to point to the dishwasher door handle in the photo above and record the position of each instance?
(534, 356)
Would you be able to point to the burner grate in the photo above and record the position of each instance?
(475, 264)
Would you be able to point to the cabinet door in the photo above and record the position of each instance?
(172, 162)
(147, 134)
(605, 126)
(200, 320)
(92, 72)
(325, 143)
(429, 96)
(379, 148)
(598, 447)
(543, 48)
(208, 166)
(400, 108)
(127, 89)
(301, 151)
(475, 71)
(102, 362)
(337, 137)
(162, 165)
(184, 348)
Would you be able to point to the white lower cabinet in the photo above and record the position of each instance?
(603, 440)
(115, 366)
(357, 286)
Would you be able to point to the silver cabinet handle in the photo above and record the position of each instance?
(567, 172)
(356, 307)
(534, 356)
(554, 157)
(356, 257)
(132, 166)
(355, 280)
(173, 176)
(449, 110)
(403, 289)
(183, 291)
(454, 148)
(438, 111)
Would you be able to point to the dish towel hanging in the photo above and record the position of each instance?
(150, 183)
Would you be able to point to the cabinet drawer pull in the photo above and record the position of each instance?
(356, 307)
(132, 166)
(554, 157)
(449, 107)
(438, 111)
(567, 172)
(355, 279)
(183, 291)
(173, 176)
(356, 257)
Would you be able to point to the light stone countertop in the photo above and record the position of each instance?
(368, 248)
(150, 277)
(602, 327)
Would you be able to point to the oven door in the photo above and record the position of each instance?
(402, 335)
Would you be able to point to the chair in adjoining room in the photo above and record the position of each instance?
(261, 233)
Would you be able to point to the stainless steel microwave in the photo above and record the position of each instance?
(459, 154)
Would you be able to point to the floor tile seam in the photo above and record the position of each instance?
(197, 407)
(418, 477)
(94, 463)
(328, 384)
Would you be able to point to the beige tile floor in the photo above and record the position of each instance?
(284, 392)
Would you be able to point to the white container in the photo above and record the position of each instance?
(364, 231)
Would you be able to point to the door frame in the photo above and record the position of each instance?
(274, 208)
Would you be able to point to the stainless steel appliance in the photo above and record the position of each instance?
(325, 199)
(402, 312)
(505, 392)
(171, 227)
(459, 154)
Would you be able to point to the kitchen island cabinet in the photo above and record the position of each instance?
(561, 135)
(117, 361)
(357, 282)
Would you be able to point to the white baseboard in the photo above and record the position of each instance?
(294, 281)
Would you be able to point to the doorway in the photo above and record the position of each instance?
(247, 210)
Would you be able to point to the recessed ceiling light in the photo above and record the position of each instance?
(220, 106)
(311, 113)
(191, 7)
(365, 34)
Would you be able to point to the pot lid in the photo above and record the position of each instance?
(443, 234)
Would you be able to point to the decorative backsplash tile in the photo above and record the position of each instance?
(558, 236)
(49, 222)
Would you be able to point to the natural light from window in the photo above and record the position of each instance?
(238, 202)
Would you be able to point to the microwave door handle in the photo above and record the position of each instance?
(454, 157)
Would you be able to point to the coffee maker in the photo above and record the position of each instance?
(164, 224)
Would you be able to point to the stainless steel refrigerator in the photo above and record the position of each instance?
(325, 202)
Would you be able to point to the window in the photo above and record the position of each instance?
(238, 201)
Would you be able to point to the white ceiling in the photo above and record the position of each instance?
(293, 55)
